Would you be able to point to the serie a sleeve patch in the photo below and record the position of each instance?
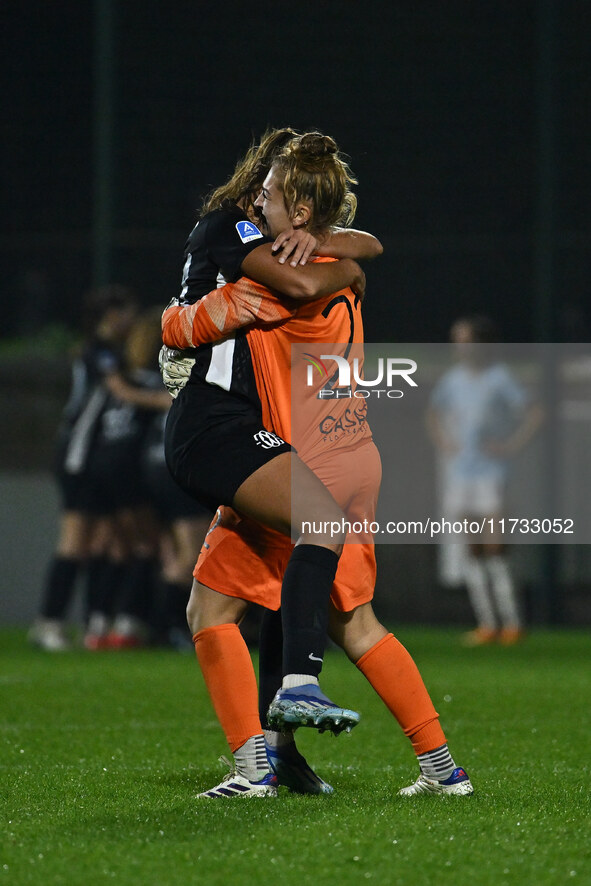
(247, 231)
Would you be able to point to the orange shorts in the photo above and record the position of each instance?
(241, 558)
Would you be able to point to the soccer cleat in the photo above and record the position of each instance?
(95, 638)
(457, 784)
(293, 772)
(235, 785)
(127, 632)
(113, 640)
(95, 642)
(49, 634)
(480, 637)
(308, 706)
(510, 636)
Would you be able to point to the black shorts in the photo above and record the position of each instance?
(76, 491)
(115, 475)
(214, 441)
(109, 480)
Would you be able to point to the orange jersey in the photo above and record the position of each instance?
(221, 312)
(240, 558)
(316, 424)
(291, 381)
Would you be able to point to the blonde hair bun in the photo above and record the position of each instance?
(314, 144)
(312, 168)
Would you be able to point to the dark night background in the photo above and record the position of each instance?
(467, 124)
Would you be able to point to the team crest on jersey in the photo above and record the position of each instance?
(247, 231)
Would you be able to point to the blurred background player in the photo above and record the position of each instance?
(125, 524)
(125, 584)
(479, 418)
(108, 315)
(168, 514)
(145, 507)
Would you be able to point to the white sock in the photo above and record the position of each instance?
(251, 758)
(290, 681)
(127, 626)
(98, 623)
(503, 589)
(278, 739)
(476, 580)
(438, 764)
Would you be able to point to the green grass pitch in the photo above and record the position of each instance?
(101, 756)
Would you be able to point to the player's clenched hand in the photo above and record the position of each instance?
(296, 245)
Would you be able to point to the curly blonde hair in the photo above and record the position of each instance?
(313, 170)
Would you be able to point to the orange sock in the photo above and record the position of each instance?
(229, 676)
(395, 677)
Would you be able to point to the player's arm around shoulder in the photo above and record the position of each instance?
(349, 243)
(304, 282)
(221, 312)
(187, 326)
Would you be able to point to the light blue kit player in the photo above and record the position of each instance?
(479, 417)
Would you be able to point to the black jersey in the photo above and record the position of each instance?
(214, 253)
(218, 244)
(114, 464)
(88, 398)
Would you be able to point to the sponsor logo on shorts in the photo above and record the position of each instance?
(247, 231)
(267, 439)
(351, 421)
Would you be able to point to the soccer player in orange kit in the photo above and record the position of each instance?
(242, 563)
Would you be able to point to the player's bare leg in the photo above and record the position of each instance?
(307, 584)
(48, 632)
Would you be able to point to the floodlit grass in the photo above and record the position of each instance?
(101, 756)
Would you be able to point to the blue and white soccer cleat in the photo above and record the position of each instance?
(235, 785)
(308, 706)
(457, 784)
(293, 771)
